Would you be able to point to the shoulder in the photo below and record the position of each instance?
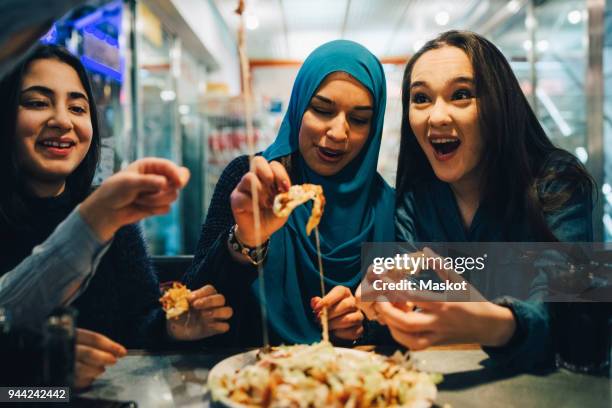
(562, 172)
(565, 192)
(235, 169)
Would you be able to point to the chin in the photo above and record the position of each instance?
(449, 177)
(326, 171)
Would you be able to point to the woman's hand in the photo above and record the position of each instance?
(146, 187)
(207, 316)
(269, 179)
(447, 323)
(366, 289)
(344, 318)
(442, 322)
(93, 353)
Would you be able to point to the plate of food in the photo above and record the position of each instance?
(320, 375)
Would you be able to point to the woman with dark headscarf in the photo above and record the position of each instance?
(476, 166)
(330, 136)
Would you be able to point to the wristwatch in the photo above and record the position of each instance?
(256, 255)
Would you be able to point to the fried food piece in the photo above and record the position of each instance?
(285, 203)
(174, 301)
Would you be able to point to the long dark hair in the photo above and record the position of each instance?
(518, 158)
(79, 182)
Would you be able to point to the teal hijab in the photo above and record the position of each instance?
(360, 204)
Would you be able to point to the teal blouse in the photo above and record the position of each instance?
(429, 213)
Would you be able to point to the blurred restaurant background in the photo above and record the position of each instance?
(167, 78)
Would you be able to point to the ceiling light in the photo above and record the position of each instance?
(574, 16)
(442, 18)
(542, 45)
(251, 21)
(167, 95)
(527, 45)
(582, 154)
(184, 109)
(513, 6)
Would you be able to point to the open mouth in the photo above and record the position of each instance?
(445, 147)
(330, 154)
(56, 144)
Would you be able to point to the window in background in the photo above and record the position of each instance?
(606, 190)
(158, 118)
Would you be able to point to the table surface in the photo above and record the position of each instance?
(179, 380)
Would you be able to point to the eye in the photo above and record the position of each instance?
(462, 94)
(359, 120)
(419, 98)
(78, 109)
(320, 111)
(35, 104)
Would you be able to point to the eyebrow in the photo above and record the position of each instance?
(330, 102)
(457, 80)
(48, 92)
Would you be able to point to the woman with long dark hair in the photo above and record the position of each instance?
(475, 165)
(50, 145)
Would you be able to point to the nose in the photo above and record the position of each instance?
(439, 115)
(60, 119)
(338, 129)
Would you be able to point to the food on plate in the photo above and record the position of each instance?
(323, 376)
(297, 195)
(174, 301)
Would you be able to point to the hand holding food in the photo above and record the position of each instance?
(268, 179)
(175, 301)
(206, 313)
(146, 187)
(345, 319)
(365, 290)
(297, 195)
(93, 353)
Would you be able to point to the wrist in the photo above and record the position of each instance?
(101, 225)
(248, 241)
(255, 255)
(499, 326)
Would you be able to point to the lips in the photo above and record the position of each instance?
(57, 146)
(444, 147)
(330, 155)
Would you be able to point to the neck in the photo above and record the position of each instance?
(45, 189)
(468, 194)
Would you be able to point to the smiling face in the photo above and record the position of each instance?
(53, 128)
(336, 124)
(443, 114)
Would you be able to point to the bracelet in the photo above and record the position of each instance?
(256, 255)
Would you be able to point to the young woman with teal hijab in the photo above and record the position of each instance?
(330, 136)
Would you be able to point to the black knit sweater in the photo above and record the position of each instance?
(121, 300)
(213, 264)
